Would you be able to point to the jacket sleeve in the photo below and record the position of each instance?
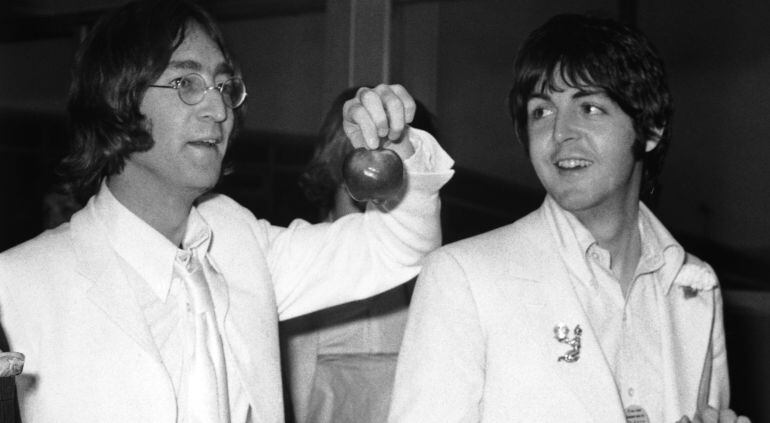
(317, 266)
(441, 367)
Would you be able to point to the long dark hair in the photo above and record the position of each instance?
(125, 52)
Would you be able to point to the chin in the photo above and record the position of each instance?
(204, 183)
(573, 201)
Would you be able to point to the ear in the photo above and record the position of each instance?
(653, 141)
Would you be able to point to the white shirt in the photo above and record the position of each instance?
(628, 328)
(148, 261)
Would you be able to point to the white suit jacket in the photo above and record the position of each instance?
(479, 344)
(67, 305)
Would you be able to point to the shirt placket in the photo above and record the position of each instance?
(628, 364)
(635, 343)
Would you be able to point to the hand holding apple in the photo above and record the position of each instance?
(375, 118)
(382, 112)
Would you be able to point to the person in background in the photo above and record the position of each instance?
(58, 207)
(587, 309)
(340, 362)
(159, 301)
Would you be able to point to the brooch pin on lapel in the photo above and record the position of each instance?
(693, 279)
(561, 333)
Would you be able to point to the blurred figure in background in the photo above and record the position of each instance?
(340, 362)
(58, 207)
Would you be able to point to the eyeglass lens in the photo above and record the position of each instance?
(192, 88)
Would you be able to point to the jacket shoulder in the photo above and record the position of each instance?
(517, 241)
(220, 211)
(50, 244)
(695, 260)
(235, 227)
(213, 203)
(29, 269)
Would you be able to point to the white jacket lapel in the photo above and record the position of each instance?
(250, 324)
(109, 288)
(589, 378)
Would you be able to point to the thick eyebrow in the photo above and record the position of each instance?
(589, 91)
(581, 92)
(185, 65)
(539, 96)
(221, 69)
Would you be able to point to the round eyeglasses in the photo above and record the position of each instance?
(192, 88)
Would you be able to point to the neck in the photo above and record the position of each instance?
(616, 229)
(165, 212)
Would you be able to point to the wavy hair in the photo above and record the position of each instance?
(125, 52)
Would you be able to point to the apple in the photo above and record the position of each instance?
(373, 175)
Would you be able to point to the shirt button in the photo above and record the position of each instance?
(595, 255)
(183, 256)
(630, 392)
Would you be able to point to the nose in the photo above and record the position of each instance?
(564, 128)
(213, 105)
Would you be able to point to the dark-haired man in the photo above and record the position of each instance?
(587, 309)
(159, 302)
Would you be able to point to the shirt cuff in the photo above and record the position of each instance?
(428, 155)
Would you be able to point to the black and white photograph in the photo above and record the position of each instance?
(384, 211)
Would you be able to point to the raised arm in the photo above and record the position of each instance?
(362, 254)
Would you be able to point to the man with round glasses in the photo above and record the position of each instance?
(192, 88)
(159, 301)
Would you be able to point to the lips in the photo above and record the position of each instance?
(572, 163)
(206, 141)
